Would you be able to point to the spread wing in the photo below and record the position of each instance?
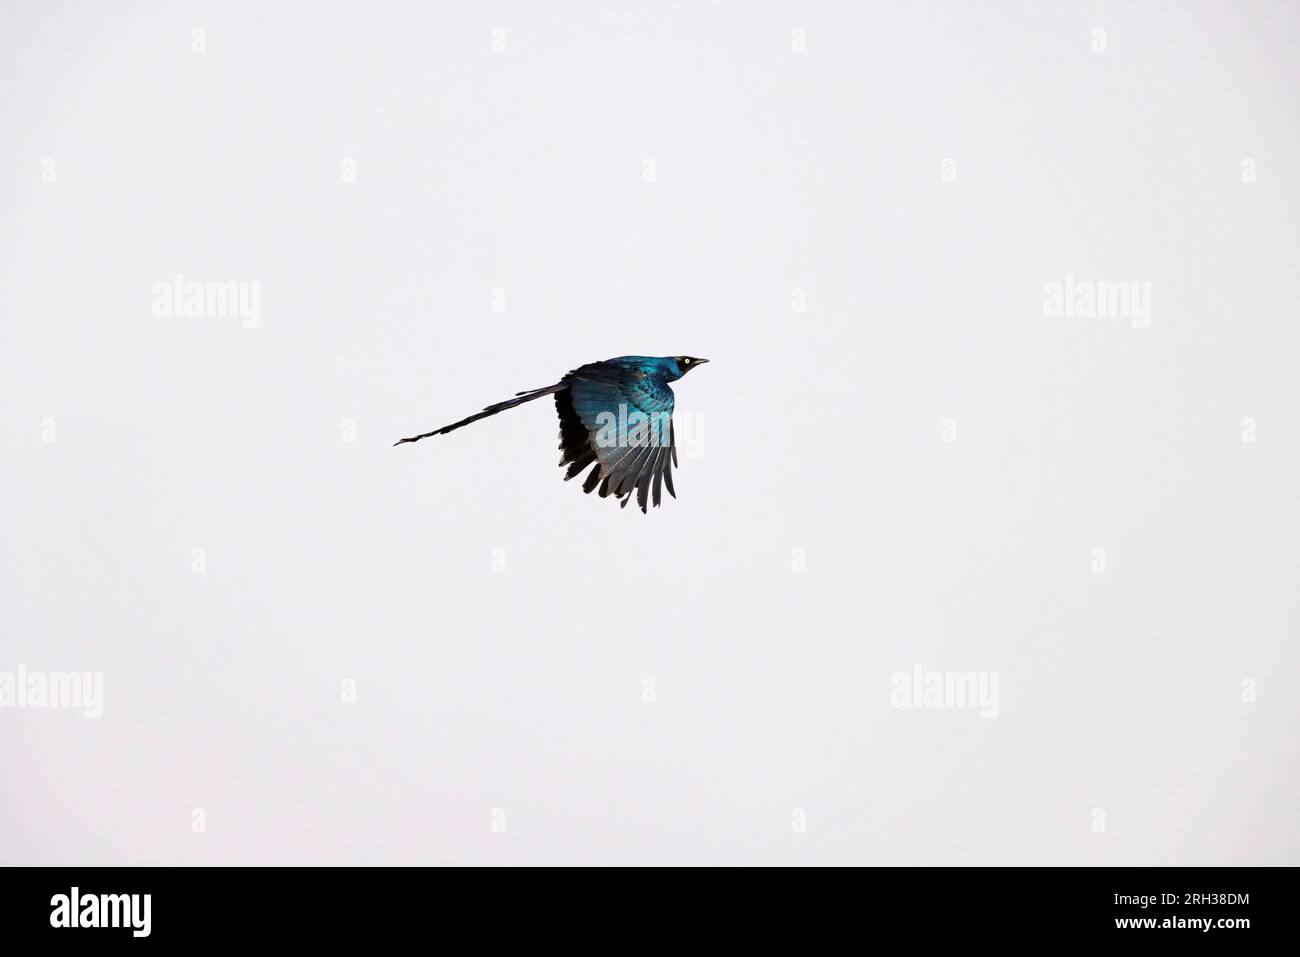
(619, 422)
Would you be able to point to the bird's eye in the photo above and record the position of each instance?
(686, 362)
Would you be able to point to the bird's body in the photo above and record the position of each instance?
(615, 416)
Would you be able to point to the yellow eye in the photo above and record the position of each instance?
(686, 362)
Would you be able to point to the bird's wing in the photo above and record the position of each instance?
(620, 420)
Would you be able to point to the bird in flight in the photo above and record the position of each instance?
(616, 416)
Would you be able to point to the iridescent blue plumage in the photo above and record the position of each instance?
(615, 416)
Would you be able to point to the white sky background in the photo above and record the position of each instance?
(822, 431)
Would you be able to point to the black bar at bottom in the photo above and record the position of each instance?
(336, 906)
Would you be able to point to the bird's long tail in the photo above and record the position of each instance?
(490, 410)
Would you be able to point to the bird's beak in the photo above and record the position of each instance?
(700, 362)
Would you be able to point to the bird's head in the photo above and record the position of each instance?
(686, 363)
